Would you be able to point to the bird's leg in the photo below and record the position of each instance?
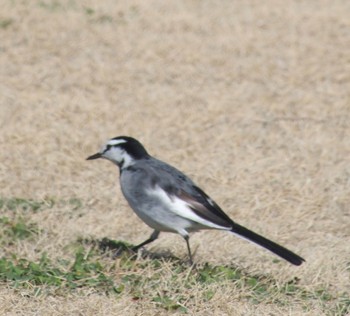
(187, 238)
(153, 237)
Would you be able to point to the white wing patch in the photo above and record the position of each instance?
(181, 207)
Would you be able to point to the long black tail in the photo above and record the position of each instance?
(268, 244)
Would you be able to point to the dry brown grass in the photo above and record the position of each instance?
(250, 98)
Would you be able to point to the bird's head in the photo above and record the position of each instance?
(121, 150)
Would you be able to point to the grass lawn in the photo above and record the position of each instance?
(249, 98)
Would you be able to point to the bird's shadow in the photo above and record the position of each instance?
(117, 248)
(204, 273)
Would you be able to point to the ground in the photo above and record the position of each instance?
(249, 98)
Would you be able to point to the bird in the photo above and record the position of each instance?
(169, 201)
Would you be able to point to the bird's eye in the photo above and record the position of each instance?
(108, 147)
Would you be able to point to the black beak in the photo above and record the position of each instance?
(98, 155)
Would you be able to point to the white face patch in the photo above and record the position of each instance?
(115, 154)
(111, 142)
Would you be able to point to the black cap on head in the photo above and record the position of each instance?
(131, 145)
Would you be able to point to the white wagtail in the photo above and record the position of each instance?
(169, 201)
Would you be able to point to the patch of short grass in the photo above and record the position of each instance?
(19, 204)
(342, 307)
(13, 229)
(16, 215)
(49, 276)
(165, 281)
(173, 284)
(24, 205)
(16, 212)
(56, 6)
(5, 23)
(89, 11)
(110, 267)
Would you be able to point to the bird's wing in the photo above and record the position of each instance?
(203, 206)
(184, 197)
(186, 206)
